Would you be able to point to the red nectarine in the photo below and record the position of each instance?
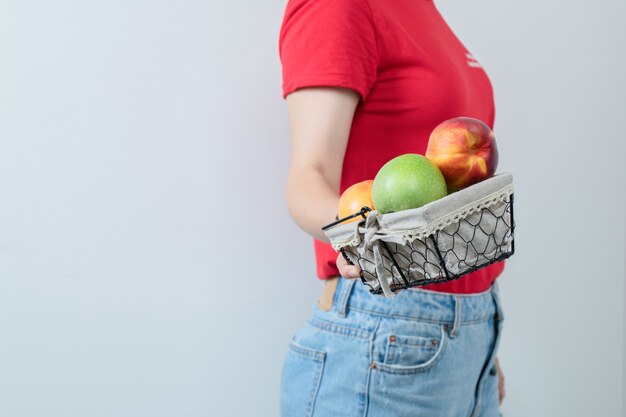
(465, 151)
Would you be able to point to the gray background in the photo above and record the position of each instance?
(148, 265)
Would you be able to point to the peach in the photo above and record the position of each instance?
(465, 151)
(354, 198)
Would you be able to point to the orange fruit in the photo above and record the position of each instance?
(354, 198)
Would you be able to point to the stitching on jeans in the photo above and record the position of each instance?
(337, 328)
(480, 392)
(308, 352)
(425, 367)
(445, 294)
(458, 319)
(319, 369)
(344, 296)
(432, 321)
(368, 381)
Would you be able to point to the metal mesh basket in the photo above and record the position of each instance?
(441, 241)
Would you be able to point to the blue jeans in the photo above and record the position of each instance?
(422, 353)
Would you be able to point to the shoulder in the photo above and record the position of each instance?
(325, 17)
(338, 9)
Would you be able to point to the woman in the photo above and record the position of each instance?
(365, 81)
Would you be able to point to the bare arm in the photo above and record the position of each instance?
(320, 120)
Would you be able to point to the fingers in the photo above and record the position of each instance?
(345, 269)
(501, 390)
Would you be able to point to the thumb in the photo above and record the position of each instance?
(345, 269)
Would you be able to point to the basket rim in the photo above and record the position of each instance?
(429, 218)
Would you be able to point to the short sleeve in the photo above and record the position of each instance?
(328, 43)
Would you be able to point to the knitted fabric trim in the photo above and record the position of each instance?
(410, 235)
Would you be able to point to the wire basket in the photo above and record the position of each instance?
(438, 242)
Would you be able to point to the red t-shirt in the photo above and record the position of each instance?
(411, 72)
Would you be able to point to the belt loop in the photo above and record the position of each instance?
(344, 294)
(458, 306)
(496, 297)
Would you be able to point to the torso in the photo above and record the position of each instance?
(425, 76)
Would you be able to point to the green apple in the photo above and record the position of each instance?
(407, 181)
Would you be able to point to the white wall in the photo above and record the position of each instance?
(557, 69)
(149, 267)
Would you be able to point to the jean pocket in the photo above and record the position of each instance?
(300, 380)
(409, 354)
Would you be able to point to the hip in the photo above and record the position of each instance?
(422, 351)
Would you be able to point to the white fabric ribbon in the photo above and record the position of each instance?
(371, 240)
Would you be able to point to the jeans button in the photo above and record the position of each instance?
(493, 370)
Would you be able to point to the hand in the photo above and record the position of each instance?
(500, 381)
(345, 269)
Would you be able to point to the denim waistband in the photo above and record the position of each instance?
(419, 304)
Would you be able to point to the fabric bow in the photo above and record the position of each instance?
(371, 241)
